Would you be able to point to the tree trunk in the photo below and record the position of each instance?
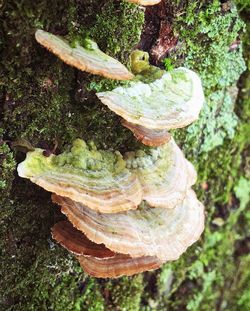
(45, 101)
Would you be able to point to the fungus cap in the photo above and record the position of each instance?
(160, 232)
(96, 259)
(88, 58)
(77, 243)
(164, 173)
(117, 266)
(98, 179)
(145, 2)
(172, 101)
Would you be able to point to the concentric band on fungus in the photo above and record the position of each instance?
(96, 259)
(173, 101)
(160, 232)
(91, 60)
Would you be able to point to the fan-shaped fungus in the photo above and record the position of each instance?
(86, 58)
(113, 231)
(145, 2)
(119, 265)
(96, 259)
(156, 100)
(164, 233)
(173, 101)
(98, 179)
(164, 173)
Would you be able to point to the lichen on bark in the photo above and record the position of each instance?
(43, 100)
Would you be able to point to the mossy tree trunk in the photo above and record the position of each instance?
(43, 100)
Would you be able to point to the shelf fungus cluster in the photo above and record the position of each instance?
(153, 102)
(133, 212)
(126, 214)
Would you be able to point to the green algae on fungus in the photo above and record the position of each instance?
(164, 173)
(105, 182)
(86, 58)
(173, 101)
(164, 233)
(98, 179)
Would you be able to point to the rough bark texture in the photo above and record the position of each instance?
(43, 100)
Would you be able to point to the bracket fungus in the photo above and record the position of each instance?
(126, 214)
(98, 179)
(145, 2)
(164, 173)
(76, 242)
(156, 100)
(96, 259)
(160, 232)
(117, 266)
(173, 101)
(86, 57)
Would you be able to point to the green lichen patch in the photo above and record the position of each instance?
(207, 28)
(217, 121)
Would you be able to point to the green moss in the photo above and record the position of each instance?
(207, 29)
(117, 27)
(7, 168)
(217, 122)
(125, 294)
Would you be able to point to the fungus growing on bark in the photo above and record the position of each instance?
(164, 173)
(96, 259)
(98, 179)
(173, 101)
(145, 2)
(86, 58)
(76, 242)
(160, 232)
(156, 100)
(96, 189)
